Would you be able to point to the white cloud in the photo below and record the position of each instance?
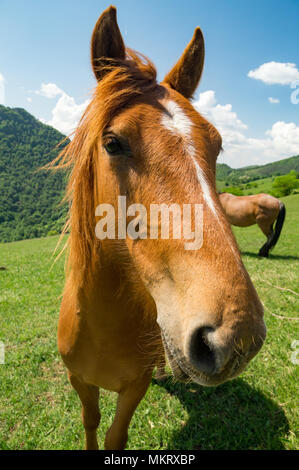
(67, 113)
(222, 116)
(2, 89)
(29, 99)
(273, 100)
(274, 73)
(281, 141)
(285, 137)
(49, 90)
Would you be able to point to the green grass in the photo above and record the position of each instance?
(39, 409)
(263, 185)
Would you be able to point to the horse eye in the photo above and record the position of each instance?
(113, 146)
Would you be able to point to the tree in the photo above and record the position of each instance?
(286, 184)
(234, 190)
(29, 198)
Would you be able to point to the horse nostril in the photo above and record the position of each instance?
(201, 354)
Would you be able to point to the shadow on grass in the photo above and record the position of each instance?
(271, 256)
(230, 416)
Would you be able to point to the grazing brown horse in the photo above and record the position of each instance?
(125, 298)
(261, 209)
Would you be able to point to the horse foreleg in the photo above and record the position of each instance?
(128, 400)
(89, 396)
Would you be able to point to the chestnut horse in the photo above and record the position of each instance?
(126, 298)
(261, 209)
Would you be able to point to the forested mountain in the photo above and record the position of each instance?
(29, 199)
(250, 173)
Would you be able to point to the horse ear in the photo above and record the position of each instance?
(185, 75)
(106, 42)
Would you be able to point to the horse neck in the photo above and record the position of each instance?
(115, 286)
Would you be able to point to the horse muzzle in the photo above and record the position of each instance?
(211, 357)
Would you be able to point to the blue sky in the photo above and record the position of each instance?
(48, 43)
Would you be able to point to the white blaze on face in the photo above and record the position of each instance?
(176, 120)
(178, 123)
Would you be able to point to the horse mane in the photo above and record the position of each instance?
(122, 80)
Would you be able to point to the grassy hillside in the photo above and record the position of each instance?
(280, 167)
(29, 199)
(39, 409)
(250, 173)
(263, 185)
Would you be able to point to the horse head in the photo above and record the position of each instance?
(144, 141)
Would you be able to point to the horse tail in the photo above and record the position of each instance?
(273, 239)
(278, 225)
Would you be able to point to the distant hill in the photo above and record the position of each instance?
(250, 173)
(29, 200)
(223, 170)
